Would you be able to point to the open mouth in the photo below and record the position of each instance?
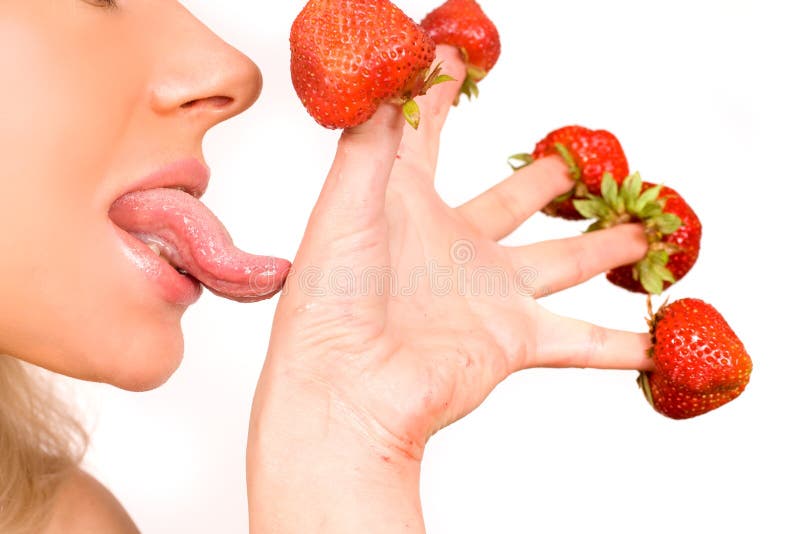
(183, 236)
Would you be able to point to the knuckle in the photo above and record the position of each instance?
(595, 345)
(580, 265)
(510, 205)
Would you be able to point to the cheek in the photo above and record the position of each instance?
(69, 301)
(71, 100)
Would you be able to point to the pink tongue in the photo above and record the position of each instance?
(193, 239)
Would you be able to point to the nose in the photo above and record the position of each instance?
(201, 77)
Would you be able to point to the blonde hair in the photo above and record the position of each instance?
(40, 444)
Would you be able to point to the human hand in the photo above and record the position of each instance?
(387, 330)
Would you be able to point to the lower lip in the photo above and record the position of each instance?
(170, 285)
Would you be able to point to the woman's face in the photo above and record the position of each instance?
(95, 100)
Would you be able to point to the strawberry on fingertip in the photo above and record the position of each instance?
(588, 154)
(349, 56)
(463, 24)
(700, 363)
(672, 228)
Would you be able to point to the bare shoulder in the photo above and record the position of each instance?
(84, 506)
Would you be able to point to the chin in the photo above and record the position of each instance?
(147, 362)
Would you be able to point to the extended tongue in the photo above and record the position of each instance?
(193, 239)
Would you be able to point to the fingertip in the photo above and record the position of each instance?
(638, 236)
(451, 57)
(387, 119)
(551, 176)
(631, 242)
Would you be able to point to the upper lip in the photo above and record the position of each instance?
(190, 175)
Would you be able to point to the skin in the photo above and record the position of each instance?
(119, 114)
(358, 381)
(355, 382)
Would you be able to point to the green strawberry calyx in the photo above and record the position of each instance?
(574, 170)
(420, 86)
(470, 85)
(572, 166)
(652, 318)
(523, 159)
(519, 161)
(628, 203)
(644, 383)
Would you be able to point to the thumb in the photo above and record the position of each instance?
(354, 195)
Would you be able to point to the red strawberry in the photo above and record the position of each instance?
(672, 228)
(683, 244)
(462, 23)
(700, 363)
(589, 154)
(678, 403)
(349, 56)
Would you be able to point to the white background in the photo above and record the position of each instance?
(701, 95)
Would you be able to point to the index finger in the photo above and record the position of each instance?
(422, 145)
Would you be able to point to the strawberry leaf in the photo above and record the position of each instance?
(524, 158)
(637, 272)
(658, 257)
(610, 190)
(411, 113)
(650, 210)
(562, 198)
(652, 271)
(592, 208)
(469, 88)
(648, 197)
(651, 282)
(631, 189)
(644, 383)
(566, 155)
(664, 273)
(434, 77)
(597, 225)
(667, 223)
(651, 194)
(475, 73)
